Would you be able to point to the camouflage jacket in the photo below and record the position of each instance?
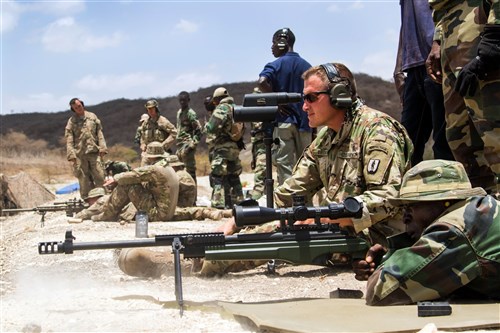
(160, 130)
(218, 127)
(367, 159)
(188, 127)
(84, 136)
(161, 186)
(461, 249)
(187, 185)
(455, 10)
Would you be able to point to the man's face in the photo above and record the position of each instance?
(275, 49)
(183, 102)
(152, 112)
(419, 215)
(78, 108)
(318, 108)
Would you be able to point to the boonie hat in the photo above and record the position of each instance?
(220, 92)
(173, 160)
(435, 180)
(155, 149)
(153, 103)
(96, 192)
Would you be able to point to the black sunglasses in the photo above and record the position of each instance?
(313, 96)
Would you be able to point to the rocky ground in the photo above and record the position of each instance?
(87, 292)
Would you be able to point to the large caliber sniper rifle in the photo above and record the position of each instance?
(71, 207)
(297, 244)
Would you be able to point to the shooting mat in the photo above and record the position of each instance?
(352, 315)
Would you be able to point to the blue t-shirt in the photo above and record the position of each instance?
(417, 30)
(284, 75)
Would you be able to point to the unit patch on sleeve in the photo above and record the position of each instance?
(373, 166)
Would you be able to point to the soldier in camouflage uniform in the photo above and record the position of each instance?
(156, 129)
(360, 152)
(188, 134)
(456, 241)
(153, 189)
(96, 199)
(465, 58)
(138, 132)
(115, 167)
(258, 161)
(225, 153)
(85, 146)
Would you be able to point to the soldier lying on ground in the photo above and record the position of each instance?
(456, 249)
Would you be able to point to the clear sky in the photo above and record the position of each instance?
(98, 51)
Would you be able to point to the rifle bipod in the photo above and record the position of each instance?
(176, 249)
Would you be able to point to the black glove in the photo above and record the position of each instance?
(487, 60)
(241, 145)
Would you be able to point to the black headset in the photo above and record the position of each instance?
(283, 39)
(73, 100)
(340, 91)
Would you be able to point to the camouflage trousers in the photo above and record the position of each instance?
(259, 169)
(473, 122)
(292, 143)
(187, 156)
(90, 172)
(225, 171)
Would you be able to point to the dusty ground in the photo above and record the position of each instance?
(87, 292)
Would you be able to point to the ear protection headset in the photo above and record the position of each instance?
(340, 92)
(73, 100)
(283, 39)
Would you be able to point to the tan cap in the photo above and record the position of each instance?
(435, 180)
(173, 160)
(220, 92)
(153, 103)
(144, 117)
(155, 149)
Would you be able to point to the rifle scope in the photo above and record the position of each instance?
(263, 107)
(256, 215)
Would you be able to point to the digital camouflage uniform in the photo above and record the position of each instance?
(472, 122)
(458, 252)
(187, 185)
(84, 142)
(153, 189)
(160, 130)
(225, 155)
(126, 214)
(188, 137)
(366, 159)
(258, 160)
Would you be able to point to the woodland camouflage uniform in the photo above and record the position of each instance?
(188, 136)
(84, 142)
(472, 122)
(225, 153)
(458, 252)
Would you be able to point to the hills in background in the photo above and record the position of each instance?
(120, 117)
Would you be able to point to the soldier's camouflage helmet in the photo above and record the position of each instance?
(153, 103)
(220, 92)
(155, 149)
(96, 192)
(173, 160)
(435, 180)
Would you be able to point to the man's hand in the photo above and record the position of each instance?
(433, 63)
(228, 228)
(110, 182)
(487, 60)
(364, 268)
